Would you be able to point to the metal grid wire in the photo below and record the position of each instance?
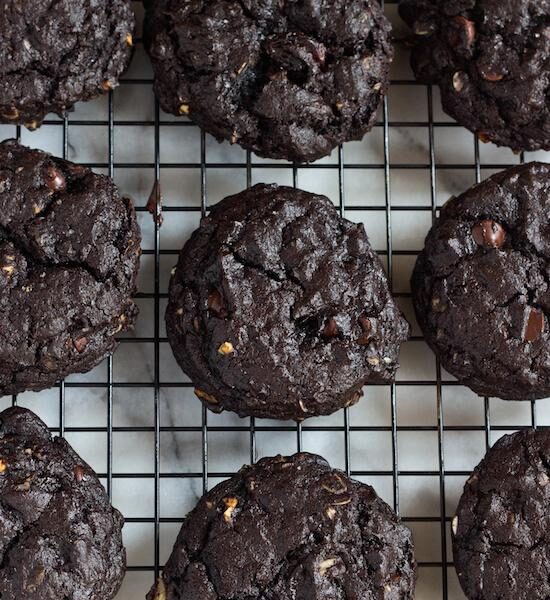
(436, 577)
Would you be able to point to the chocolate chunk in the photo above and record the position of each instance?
(55, 180)
(489, 233)
(366, 327)
(154, 203)
(534, 326)
(80, 344)
(216, 304)
(79, 473)
(366, 324)
(331, 328)
(463, 33)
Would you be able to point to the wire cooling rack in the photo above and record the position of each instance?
(135, 419)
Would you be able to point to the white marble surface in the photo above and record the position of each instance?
(133, 452)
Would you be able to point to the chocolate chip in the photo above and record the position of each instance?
(216, 305)
(331, 328)
(489, 233)
(319, 52)
(365, 323)
(54, 179)
(483, 137)
(463, 32)
(79, 473)
(366, 326)
(80, 344)
(534, 326)
(493, 77)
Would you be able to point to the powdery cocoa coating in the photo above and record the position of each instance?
(53, 54)
(481, 285)
(69, 255)
(491, 59)
(289, 528)
(280, 308)
(285, 78)
(59, 536)
(500, 542)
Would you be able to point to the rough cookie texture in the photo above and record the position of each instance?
(280, 308)
(481, 285)
(53, 54)
(59, 536)
(285, 78)
(290, 528)
(500, 532)
(69, 255)
(491, 59)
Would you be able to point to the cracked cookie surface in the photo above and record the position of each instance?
(500, 531)
(60, 537)
(283, 78)
(69, 255)
(481, 286)
(491, 59)
(280, 308)
(290, 528)
(53, 54)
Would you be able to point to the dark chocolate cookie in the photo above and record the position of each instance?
(500, 531)
(287, 79)
(69, 255)
(53, 54)
(60, 536)
(280, 308)
(481, 285)
(491, 59)
(289, 528)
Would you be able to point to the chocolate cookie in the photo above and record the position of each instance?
(280, 308)
(286, 79)
(491, 60)
(289, 528)
(481, 285)
(53, 54)
(69, 255)
(500, 540)
(60, 537)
